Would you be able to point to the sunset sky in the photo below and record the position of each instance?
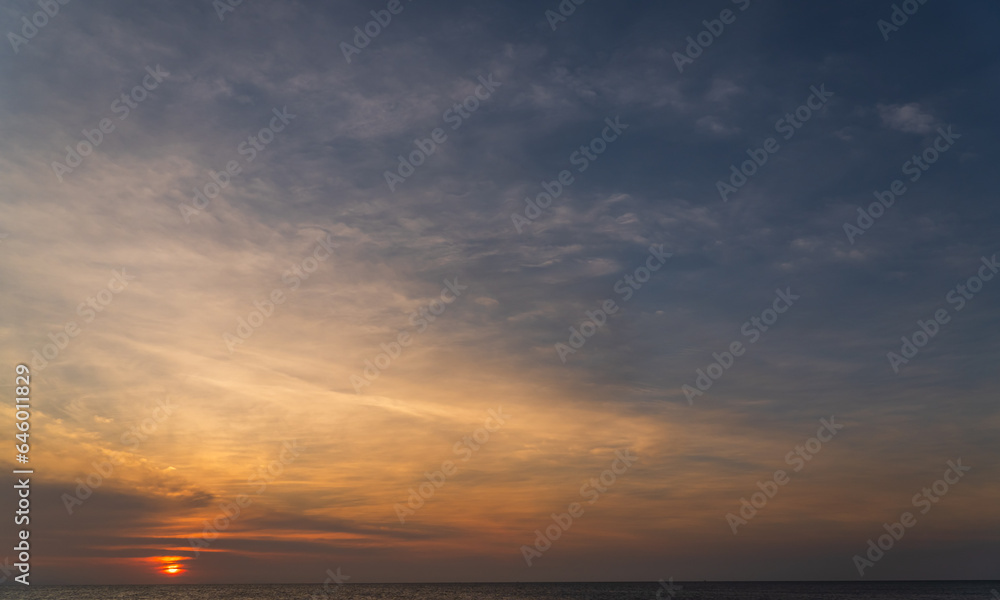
(170, 371)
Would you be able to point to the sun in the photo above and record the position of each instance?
(170, 566)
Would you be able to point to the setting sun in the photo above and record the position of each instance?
(169, 565)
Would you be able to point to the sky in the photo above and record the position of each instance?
(513, 291)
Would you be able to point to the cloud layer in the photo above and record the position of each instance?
(305, 215)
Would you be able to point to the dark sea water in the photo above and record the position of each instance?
(519, 591)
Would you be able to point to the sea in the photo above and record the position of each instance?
(870, 590)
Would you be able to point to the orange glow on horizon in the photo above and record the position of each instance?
(171, 566)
